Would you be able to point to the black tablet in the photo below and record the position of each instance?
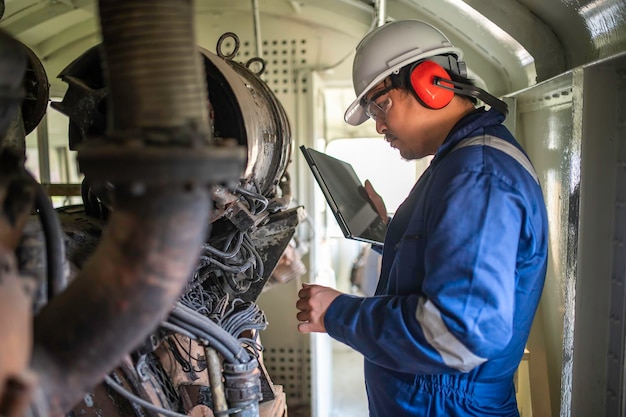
(346, 197)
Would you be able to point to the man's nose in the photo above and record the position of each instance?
(381, 126)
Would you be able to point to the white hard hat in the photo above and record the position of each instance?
(388, 48)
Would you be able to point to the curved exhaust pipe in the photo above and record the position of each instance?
(158, 162)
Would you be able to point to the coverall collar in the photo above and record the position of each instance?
(465, 128)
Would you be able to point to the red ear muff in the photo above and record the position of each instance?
(422, 80)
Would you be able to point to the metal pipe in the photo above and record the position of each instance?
(123, 292)
(43, 146)
(155, 231)
(257, 28)
(163, 85)
(214, 369)
(381, 12)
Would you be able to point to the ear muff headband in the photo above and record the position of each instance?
(472, 91)
(422, 79)
(434, 89)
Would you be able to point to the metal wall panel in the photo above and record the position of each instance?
(545, 126)
(572, 128)
(600, 330)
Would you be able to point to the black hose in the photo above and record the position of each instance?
(55, 247)
(202, 337)
(232, 344)
(223, 254)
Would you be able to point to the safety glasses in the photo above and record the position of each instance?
(376, 110)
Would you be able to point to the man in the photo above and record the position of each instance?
(464, 259)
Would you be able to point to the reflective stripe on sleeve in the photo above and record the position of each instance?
(453, 352)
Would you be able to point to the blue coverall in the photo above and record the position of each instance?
(464, 264)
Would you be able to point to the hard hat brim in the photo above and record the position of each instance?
(355, 113)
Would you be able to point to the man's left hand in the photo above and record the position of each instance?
(313, 302)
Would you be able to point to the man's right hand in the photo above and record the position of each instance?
(377, 201)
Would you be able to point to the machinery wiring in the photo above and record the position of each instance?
(257, 202)
(224, 342)
(239, 267)
(138, 400)
(206, 260)
(235, 317)
(233, 258)
(223, 253)
(161, 377)
(260, 269)
(205, 338)
(167, 325)
(155, 408)
(244, 318)
(185, 363)
(199, 299)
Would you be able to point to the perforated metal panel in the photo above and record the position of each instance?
(283, 59)
(291, 368)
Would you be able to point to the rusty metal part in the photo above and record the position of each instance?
(194, 395)
(243, 387)
(241, 217)
(17, 195)
(201, 411)
(37, 90)
(103, 401)
(183, 360)
(245, 108)
(142, 95)
(190, 379)
(154, 233)
(12, 67)
(15, 138)
(84, 101)
(31, 260)
(145, 164)
(18, 393)
(271, 240)
(143, 121)
(15, 325)
(124, 290)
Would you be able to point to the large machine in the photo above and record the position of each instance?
(143, 296)
(191, 195)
